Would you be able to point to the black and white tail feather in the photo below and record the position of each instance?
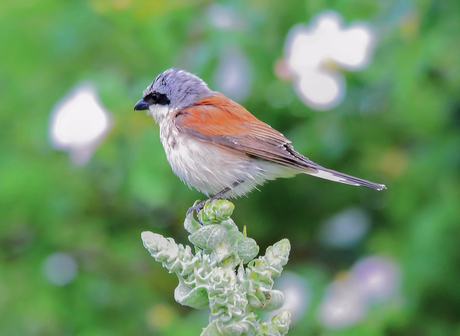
(336, 176)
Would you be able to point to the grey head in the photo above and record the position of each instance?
(174, 88)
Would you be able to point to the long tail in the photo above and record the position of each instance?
(336, 176)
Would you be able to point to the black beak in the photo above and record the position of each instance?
(141, 105)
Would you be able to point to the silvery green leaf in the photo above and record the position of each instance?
(259, 273)
(222, 279)
(232, 237)
(277, 256)
(275, 300)
(278, 325)
(239, 328)
(260, 295)
(208, 237)
(161, 248)
(190, 224)
(254, 301)
(229, 259)
(211, 330)
(247, 249)
(196, 298)
(203, 271)
(181, 291)
(230, 225)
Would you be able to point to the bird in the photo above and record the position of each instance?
(216, 146)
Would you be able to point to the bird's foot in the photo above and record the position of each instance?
(196, 208)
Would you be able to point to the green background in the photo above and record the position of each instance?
(399, 124)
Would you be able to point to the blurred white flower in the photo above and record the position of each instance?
(378, 277)
(343, 305)
(346, 228)
(372, 279)
(60, 268)
(79, 123)
(320, 89)
(313, 53)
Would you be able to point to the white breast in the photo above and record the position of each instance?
(211, 168)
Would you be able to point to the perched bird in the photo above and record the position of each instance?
(217, 146)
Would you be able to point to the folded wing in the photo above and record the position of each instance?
(223, 122)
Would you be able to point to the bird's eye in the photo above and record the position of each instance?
(151, 98)
(156, 98)
(162, 99)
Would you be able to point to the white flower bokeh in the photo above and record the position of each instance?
(79, 122)
(371, 280)
(314, 53)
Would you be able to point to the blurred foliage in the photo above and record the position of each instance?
(399, 125)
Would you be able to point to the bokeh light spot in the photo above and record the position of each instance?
(60, 268)
(297, 295)
(160, 316)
